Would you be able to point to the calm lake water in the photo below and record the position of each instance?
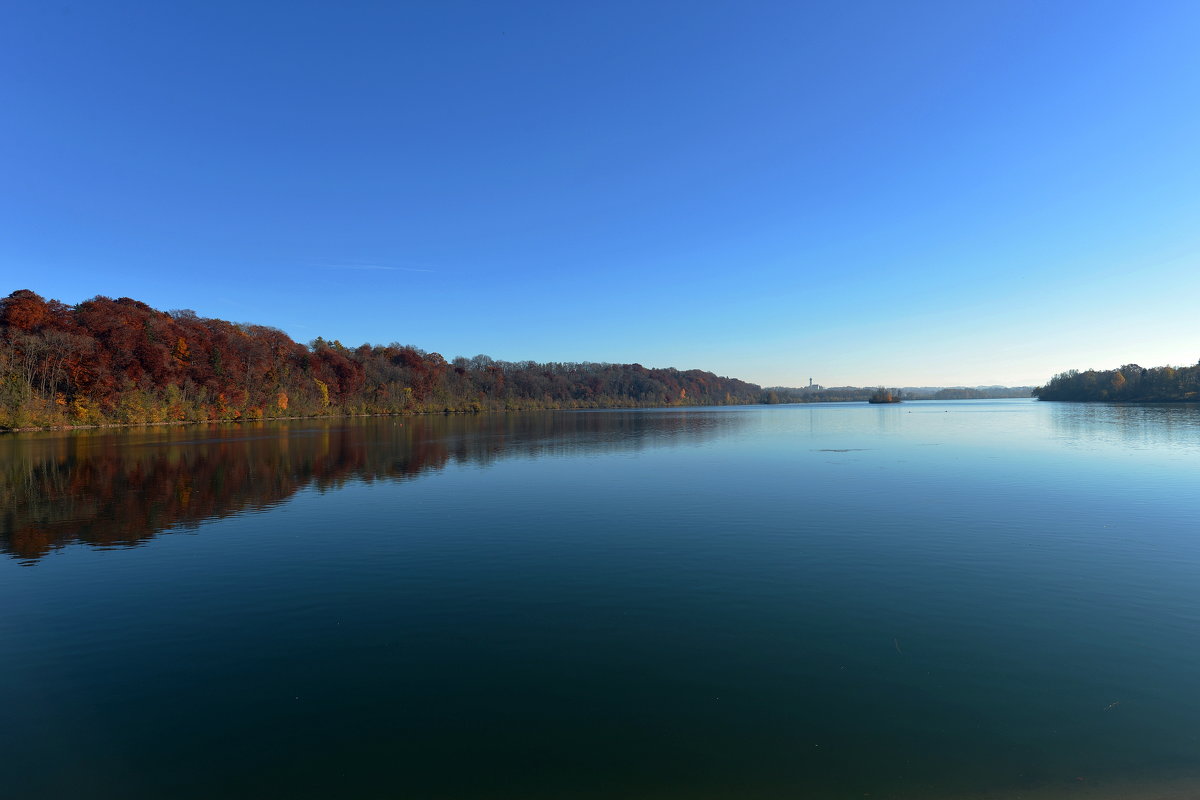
(930, 600)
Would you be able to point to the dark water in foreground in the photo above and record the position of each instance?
(929, 600)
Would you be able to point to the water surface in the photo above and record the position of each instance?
(958, 599)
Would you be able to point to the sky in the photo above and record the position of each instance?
(861, 193)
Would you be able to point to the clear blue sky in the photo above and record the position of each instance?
(926, 193)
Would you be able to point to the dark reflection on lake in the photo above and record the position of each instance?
(110, 488)
(931, 600)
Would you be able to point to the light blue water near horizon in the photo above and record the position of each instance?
(935, 599)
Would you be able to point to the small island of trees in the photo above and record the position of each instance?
(882, 395)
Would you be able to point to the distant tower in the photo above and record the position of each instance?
(810, 383)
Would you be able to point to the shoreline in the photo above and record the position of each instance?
(107, 425)
(442, 412)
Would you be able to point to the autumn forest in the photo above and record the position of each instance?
(108, 361)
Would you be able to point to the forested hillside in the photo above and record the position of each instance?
(1130, 383)
(121, 361)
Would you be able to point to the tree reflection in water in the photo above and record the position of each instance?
(114, 489)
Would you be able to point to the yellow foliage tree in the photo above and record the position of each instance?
(180, 352)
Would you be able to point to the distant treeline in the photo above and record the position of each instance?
(1130, 383)
(844, 394)
(979, 393)
(109, 361)
(840, 394)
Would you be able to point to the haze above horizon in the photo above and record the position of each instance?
(932, 193)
